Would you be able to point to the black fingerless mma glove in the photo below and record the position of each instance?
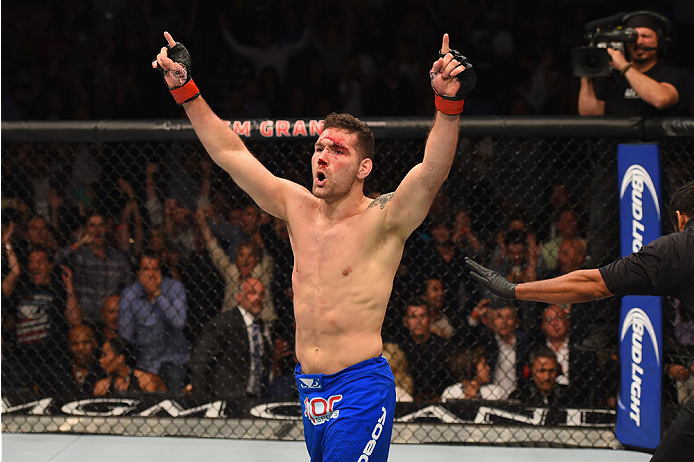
(188, 91)
(453, 105)
(496, 283)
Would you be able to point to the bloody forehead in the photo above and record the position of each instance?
(336, 140)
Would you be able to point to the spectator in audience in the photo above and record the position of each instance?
(283, 381)
(159, 243)
(567, 230)
(41, 311)
(108, 327)
(10, 263)
(520, 264)
(426, 353)
(465, 238)
(543, 390)
(404, 386)
(472, 374)
(129, 232)
(151, 316)
(250, 262)
(590, 383)
(506, 346)
(276, 238)
(435, 297)
(234, 353)
(38, 233)
(99, 269)
(84, 370)
(443, 260)
(122, 376)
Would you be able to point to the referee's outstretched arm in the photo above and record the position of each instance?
(663, 267)
(577, 286)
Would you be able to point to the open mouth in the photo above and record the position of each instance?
(320, 179)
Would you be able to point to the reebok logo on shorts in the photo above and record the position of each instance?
(319, 410)
(375, 435)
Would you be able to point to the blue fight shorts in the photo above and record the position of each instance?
(348, 416)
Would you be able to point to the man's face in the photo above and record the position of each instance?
(567, 224)
(441, 233)
(40, 267)
(245, 260)
(571, 256)
(37, 231)
(150, 272)
(647, 38)
(251, 296)
(503, 321)
(555, 323)
(435, 294)
(417, 320)
(335, 164)
(516, 254)
(109, 312)
(96, 226)
(249, 219)
(157, 239)
(82, 345)
(544, 374)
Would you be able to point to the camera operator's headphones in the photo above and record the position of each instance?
(659, 23)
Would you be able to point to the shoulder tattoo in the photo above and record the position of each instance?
(381, 200)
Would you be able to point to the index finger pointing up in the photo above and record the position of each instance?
(444, 44)
(169, 39)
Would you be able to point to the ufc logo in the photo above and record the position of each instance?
(319, 410)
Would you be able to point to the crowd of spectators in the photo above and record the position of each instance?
(169, 279)
(188, 291)
(82, 60)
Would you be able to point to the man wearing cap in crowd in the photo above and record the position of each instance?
(644, 86)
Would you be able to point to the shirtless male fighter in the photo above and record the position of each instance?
(346, 247)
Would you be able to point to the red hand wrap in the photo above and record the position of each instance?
(447, 106)
(185, 93)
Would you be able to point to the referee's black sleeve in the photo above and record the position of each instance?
(663, 267)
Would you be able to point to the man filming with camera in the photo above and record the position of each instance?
(644, 86)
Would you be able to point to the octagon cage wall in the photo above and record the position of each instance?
(92, 212)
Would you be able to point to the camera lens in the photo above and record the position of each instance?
(592, 61)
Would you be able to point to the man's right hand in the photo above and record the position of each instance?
(496, 283)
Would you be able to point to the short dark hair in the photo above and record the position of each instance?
(463, 362)
(515, 237)
(542, 351)
(121, 346)
(349, 123)
(42, 248)
(682, 200)
(415, 301)
(148, 253)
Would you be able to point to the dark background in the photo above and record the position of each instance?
(81, 60)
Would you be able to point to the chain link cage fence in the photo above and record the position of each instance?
(93, 212)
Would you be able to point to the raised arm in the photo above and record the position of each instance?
(588, 102)
(222, 144)
(451, 78)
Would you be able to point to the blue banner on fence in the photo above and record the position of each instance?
(640, 332)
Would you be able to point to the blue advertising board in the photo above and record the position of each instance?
(640, 331)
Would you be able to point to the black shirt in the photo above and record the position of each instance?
(428, 364)
(663, 267)
(620, 99)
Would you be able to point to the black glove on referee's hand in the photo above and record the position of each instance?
(496, 283)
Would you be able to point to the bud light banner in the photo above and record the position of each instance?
(640, 332)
